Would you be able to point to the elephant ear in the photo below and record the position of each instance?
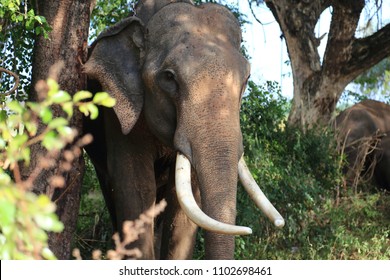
(115, 62)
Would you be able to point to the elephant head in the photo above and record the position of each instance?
(181, 66)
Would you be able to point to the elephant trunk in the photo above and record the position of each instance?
(216, 167)
(208, 134)
(213, 149)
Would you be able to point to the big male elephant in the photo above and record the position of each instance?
(364, 132)
(178, 76)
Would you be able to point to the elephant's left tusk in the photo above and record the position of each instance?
(257, 195)
(191, 208)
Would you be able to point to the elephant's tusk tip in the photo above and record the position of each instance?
(279, 223)
(246, 231)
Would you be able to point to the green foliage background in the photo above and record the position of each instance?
(301, 175)
(18, 26)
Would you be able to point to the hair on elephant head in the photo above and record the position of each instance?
(177, 74)
(364, 134)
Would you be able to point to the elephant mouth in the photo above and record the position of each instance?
(192, 210)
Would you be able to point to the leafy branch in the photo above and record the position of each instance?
(25, 218)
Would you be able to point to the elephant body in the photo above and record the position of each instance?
(362, 131)
(382, 168)
(177, 74)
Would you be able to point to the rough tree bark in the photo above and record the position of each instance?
(69, 20)
(319, 85)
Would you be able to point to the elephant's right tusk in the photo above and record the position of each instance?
(191, 208)
(257, 195)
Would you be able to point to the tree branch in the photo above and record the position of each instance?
(16, 77)
(342, 30)
(368, 51)
(254, 14)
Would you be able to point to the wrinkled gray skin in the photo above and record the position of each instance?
(366, 119)
(178, 76)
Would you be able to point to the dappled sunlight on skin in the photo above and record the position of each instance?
(205, 57)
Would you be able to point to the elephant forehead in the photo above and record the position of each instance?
(178, 21)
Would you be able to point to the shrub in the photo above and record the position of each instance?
(301, 173)
(25, 218)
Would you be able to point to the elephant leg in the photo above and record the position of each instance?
(179, 232)
(132, 180)
(134, 199)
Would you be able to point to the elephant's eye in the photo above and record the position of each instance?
(167, 81)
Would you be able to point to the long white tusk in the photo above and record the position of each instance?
(257, 195)
(191, 208)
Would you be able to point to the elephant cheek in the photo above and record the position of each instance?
(160, 115)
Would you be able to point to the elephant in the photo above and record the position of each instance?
(178, 76)
(362, 131)
(381, 171)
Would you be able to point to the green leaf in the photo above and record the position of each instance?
(81, 95)
(65, 131)
(31, 127)
(44, 221)
(51, 141)
(84, 109)
(30, 24)
(68, 108)
(35, 107)
(38, 19)
(53, 86)
(5, 179)
(109, 102)
(31, 13)
(7, 210)
(104, 99)
(93, 110)
(44, 202)
(46, 115)
(48, 254)
(38, 30)
(15, 106)
(60, 97)
(19, 140)
(58, 122)
(26, 155)
(3, 115)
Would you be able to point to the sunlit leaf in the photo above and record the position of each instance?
(50, 141)
(46, 115)
(60, 97)
(104, 99)
(68, 108)
(94, 111)
(58, 122)
(15, 106)
(81, 95)
(48, 254)
(53, 86)
(7, 210)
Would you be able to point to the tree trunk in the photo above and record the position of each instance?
(69, 20)
(319, 85)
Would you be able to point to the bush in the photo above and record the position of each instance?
(301, 173)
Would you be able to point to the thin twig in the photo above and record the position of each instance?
(17, 81)
(255, 17)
